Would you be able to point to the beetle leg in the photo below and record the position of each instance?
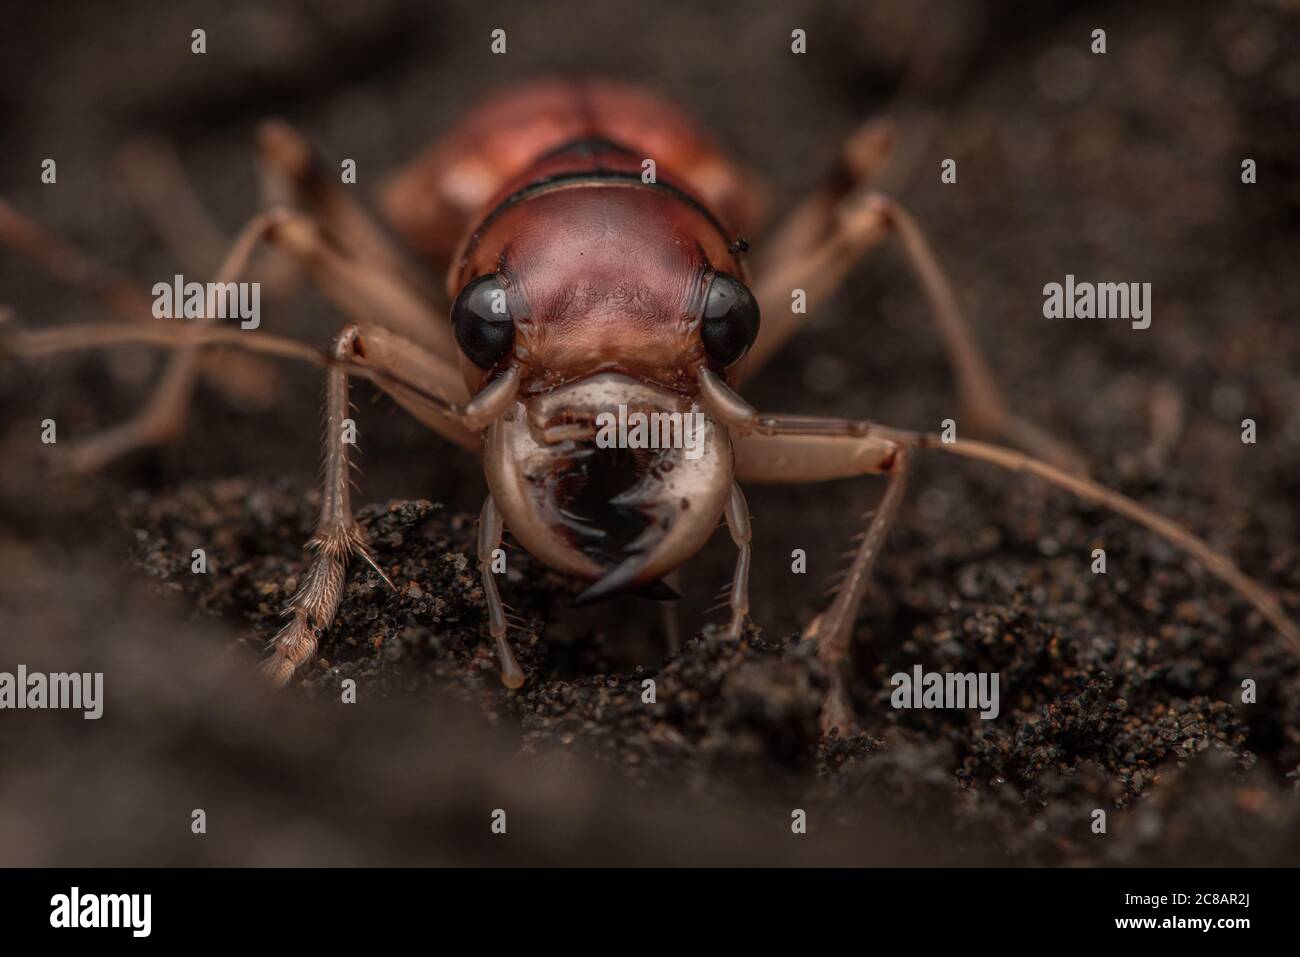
(813, 448)
(490, 528)
(162, 417)
(293, 175)
(413, 377)
(336, 539)
(864, 155)
(156, 180)
(153, 173)
(833, 628)
(245, 379)
(737, 515)
(817, 244)
(818, 269)
(395, 368)
(983, 405)
(358, 288)
(419, 381)
(793, 457)
(864, 220)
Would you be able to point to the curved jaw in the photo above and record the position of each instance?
(618, 507)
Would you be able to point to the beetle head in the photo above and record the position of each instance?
(589, 278)
(607, 298)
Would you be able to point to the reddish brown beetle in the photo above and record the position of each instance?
(578, 283)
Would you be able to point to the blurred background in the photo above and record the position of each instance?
(1119, 692)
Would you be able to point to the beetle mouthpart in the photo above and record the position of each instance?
(680, 499)
(618, 517)
(658, 591)
(523, 476)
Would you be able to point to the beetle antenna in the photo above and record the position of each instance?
(1216, 562)
(92, 335)
(76, 337)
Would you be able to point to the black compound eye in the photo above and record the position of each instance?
(481, 321)
(730, 319)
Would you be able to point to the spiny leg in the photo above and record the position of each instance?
(336, 539)
(410, 374)
(417, 379)
(809, 448)
(737, 515)
(395, 366)
(818, 269)
(982, 403)
(1222, 567)
(292, 175)
(162, 418)
(833, 628)
(360, 289)
(794, 451)
(404, 370)
(863, 156)
(490, 528)
(861, 220)
(243, 378)
(818, 243)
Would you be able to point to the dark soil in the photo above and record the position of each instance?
(1120, 691)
